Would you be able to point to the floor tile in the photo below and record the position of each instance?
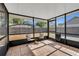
(33, 45)
(71, 52)
(43, 51)
(58, 53)
(48, 42)
(57, 46)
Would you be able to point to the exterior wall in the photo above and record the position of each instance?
(24, 30)
(20, 30)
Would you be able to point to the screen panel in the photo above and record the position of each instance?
(52, 29)
(20, 26)
(60, 23)
(40, 27)
(3, 30)
(72, 26)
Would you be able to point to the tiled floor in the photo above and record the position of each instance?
(57, 46)
(43, 51)
(59, 53)
(71, 52)
(44, 48)
(34, 46)
(48, 42)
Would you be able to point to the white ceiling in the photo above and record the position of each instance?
(41, 10)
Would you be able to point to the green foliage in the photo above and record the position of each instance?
(60, 24)
(17, 21)
(41, 24)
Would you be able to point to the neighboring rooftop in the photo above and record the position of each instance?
(74, 20)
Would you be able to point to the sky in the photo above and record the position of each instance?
(69, 17)
(60, 20)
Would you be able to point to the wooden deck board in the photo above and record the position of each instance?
(21, 50)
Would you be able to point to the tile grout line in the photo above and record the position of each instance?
(44, 43)
(52, 47)
(38, 47)
(65, 52)
(51, 53)
(61, 50)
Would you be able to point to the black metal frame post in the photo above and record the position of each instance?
(55, 27)
(33, 28)
(48, 27)
(8, 26)
(65, 27)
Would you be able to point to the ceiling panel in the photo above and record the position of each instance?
(41, 10)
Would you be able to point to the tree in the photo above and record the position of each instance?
(17, 21)
(40, 24)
